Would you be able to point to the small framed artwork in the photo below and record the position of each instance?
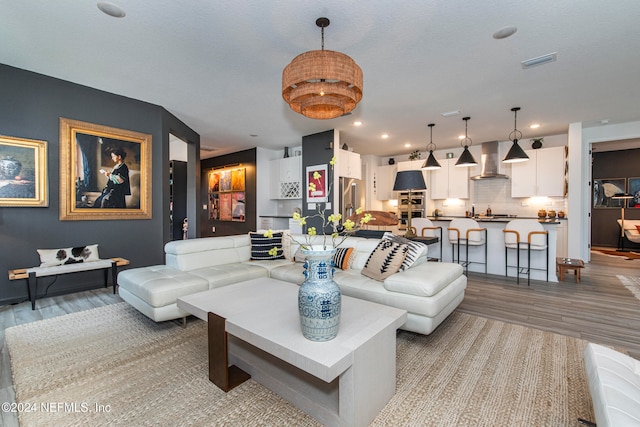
(105, 172)
(23, 172)
(237, 206)
(317, 183)
(634, 190)
(605, 189)
(225, 207)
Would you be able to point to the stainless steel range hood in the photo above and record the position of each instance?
(490, 162)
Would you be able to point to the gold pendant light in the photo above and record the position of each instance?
(322, 84)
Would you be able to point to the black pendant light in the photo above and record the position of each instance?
(516, 153)
(431, 163)
(466, 159)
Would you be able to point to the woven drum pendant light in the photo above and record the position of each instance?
(322, 84)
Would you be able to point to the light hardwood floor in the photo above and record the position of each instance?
(599, 309)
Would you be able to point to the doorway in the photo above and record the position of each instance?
(177, 188)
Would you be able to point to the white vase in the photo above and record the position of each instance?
(319, 298)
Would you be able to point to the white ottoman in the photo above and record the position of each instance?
(614, 383)
(154, 290)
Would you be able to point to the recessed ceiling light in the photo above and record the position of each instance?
(111, 9)
(384, 136)
(450, 113)
(407, 145)
(505, 32)
(534, 125)
(357, 123)
(461, 136)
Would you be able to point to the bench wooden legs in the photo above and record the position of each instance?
(220, 373)
(32, 289)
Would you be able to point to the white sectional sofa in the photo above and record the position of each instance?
(614, 383)
(429, 292)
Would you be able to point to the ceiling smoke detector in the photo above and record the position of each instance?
(540, 60)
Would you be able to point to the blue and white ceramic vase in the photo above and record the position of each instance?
(319, 298)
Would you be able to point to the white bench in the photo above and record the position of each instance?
(32, 274)
(614, 383)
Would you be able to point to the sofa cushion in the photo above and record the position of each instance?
(385, 259)
(160, 285)
(426, 280)
(228, 274)
(286, 241)
(292, 272)
(342, 258)
(354, 284)
(417, 253)
(62, 256)
(192, 254)
(262, 244)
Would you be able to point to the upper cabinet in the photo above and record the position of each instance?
(286, 178)
(348, 164)
(385, 179)
(449, 182)
(412, 165)
(541, 175)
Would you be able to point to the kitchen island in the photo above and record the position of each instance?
(496, 249)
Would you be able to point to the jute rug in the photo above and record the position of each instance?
(632, 283)
(113, 366)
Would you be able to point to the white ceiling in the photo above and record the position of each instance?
(217, 65)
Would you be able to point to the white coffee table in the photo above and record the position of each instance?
(345, 381)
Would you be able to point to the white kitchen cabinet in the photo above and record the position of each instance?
(286, 178)
(385, 178)
(348, 164)
(541, 175)
(449, 182)
(410, 165)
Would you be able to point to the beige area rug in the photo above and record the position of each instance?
(113, 366)
(632, 283)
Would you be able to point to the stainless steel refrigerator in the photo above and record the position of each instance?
(352, 196)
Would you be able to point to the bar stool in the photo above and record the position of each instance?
(537, 240)
(467, 232)
(423, 227)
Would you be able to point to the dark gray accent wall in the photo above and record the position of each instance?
(30, 107)
(317, 149)
(612, 164)
(241, 159)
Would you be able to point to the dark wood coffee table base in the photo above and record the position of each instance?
(220, 373)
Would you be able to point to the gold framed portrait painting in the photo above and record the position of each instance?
(105, 172)
(23, 172)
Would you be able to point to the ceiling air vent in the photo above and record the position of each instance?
(540, 60)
